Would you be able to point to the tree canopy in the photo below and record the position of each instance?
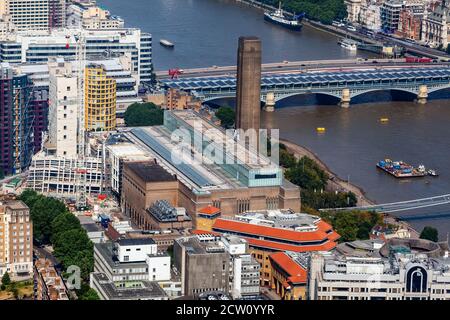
(430, 233)
(324, 11)
(143, 114)
(53, 223)
(226, 116)
(6, 280)
(352, 225)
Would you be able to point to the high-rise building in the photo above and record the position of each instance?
(16, 239)
(39, 46)
(99, 100)
(63, 111)
(29, 14)
(248, 87)
(57, 13)
(16, 121)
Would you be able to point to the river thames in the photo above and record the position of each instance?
(205, 33)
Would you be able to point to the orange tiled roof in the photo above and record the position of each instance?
(279, 233)
(327, 246)
(296, 273)
(210, 210)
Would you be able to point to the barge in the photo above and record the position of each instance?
(400, 169)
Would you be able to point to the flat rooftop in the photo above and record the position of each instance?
(150, 171)
(195, 166)
(193, 245)
(129, 290)
(280, 218)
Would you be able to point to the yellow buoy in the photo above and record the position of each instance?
(320, 129)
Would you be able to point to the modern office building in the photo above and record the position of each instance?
(216, 264)
(403, 269)
(30, 14)
(245, 269)
(248, 86)
(39, 46)
(118, 68)
(16, 240)
(269, 231)
(248, 181)
(130, 269)
(99, 99)
(16, 121)
(204, 265)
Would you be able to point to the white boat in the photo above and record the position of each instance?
(166, 43)
(348, 44)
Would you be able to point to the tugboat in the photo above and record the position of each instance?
(278, 17)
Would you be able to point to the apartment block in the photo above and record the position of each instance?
(49, 284)
(99, 99)
(16, 240)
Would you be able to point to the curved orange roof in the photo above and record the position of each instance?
(278, 233)
(277, 246)
(296, 273)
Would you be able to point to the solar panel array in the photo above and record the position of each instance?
(227, 82)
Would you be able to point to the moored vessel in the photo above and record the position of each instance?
(278, 17)
(400, 169)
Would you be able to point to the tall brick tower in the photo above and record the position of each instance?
(248, 86)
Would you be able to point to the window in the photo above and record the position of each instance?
(68, 88)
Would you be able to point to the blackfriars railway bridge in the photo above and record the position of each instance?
(341, 83)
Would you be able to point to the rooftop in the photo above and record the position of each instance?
(289, 262)
(209, 210)
(135, 242)
(150, 171)
(129, 290)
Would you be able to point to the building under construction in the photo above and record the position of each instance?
(16, 121)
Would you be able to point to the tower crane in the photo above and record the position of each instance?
(81, 172)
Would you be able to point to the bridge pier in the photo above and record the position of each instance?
(270, 102)
(423, 94)
(345, 98)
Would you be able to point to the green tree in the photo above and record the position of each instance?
(63, 222)
(352, 225)
(227, 116)
(429, 233)
(90, 294)
(73, 247)
(6, 280)
(143, 114)
(307, 175)
(324, 11)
